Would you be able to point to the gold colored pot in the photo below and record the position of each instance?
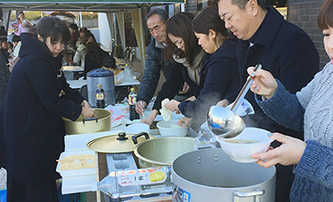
(163, 151)
(118, 143)
(81, 125)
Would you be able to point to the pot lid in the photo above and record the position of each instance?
(100, 72)
(120, 143)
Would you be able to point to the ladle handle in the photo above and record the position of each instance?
(244, 90)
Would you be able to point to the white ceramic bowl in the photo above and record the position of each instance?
(137, 128)
(171, 128)
(241, 151)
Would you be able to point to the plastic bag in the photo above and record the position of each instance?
(205, 134)
(118, 116)
(245, 108)
(127, 75)
(132, 183)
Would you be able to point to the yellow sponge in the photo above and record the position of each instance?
(157, 176)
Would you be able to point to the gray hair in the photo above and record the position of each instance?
(160, 12)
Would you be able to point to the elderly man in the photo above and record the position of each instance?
(282, 48)
(155, 21)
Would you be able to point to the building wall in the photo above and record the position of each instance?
(304, 14)
(191, 5)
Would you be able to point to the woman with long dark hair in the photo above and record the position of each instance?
(219, 71)
(31, 126)
(80, 53)
(182, 47)
(94, 57)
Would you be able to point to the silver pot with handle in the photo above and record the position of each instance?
(210, 175)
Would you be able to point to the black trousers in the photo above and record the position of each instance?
(24, 192)
(284, 181)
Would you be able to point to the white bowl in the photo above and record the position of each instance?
(171, 128)
(137, 128)
(240, 151)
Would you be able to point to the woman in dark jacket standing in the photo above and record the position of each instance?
(94, 57)
(32, 130)
(182, 47)
(218, 74)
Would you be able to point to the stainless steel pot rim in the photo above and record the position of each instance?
(176, 167)
(217, 188)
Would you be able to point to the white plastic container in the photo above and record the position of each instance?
(76, 172)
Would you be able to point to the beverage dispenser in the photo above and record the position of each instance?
(102, 77)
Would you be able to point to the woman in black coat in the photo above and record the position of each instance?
(219, 75)
(182, 47)
(32, 130)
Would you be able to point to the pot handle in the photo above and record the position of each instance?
(205, 146)
(135, 137)
(90, 119)
(255, 193)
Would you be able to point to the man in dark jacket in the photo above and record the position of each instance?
(155, 21)
(283, 49)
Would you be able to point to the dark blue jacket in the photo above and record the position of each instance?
(154, 64)
(284, 50)
(32, 130)
(218, 77)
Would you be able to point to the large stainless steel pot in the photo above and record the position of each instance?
(210, 175)
(102, 122)
(163, 151)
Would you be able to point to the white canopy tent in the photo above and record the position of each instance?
(102, 6)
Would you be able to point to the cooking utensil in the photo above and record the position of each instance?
(163, 151)
(244, 90)
(224, 122)
(120, 143)
(102, 122)
(245, 108)
(210, 175)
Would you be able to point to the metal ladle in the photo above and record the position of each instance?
(224, 122)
